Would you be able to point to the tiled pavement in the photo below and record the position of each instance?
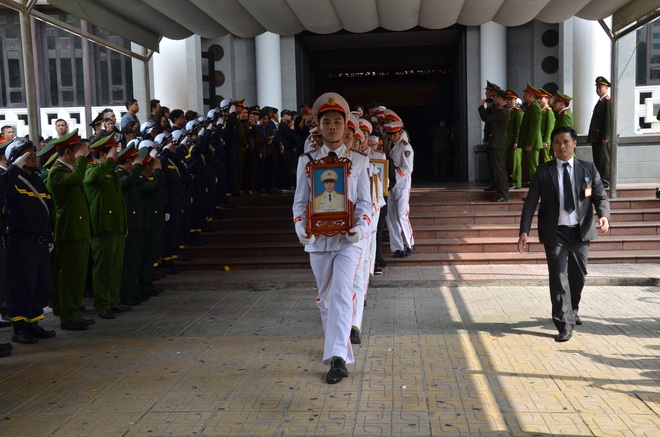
(447, 351)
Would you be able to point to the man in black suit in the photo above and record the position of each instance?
(599, 130)
(568, 188)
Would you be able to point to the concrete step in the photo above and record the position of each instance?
(301, 261)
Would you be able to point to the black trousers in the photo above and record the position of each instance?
(567, 267)
(601, 153)
(28, 279)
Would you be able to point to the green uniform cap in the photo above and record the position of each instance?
(104, 143)
(50, 161)
(127, 152)
(48, 150)
(563, 97)
(70, 139)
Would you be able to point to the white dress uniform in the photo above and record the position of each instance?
(398, 208)
(335, 260)
(361, 283)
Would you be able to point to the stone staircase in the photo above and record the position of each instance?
(456, 225)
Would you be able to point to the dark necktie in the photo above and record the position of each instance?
(331, 153)
(569, 202)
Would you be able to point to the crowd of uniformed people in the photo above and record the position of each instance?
(517, 132)
(108, 216)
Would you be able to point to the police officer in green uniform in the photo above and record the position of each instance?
(128, 173)
(498, 120)
(72, 230)
(563, 114)
(599, 130)
(108, 220)
(547, 126)
(530, 130)
(149, 186)
(514, 152)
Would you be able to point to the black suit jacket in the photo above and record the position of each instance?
(546, 186)
(599, 128)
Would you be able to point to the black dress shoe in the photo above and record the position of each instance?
(78, 325)
(39, 331)
(338, 368)
(355, 336)
(378, 270)
(409, 251)
(490, 188)
(132, 303)
(5, 323)
(107, 314)
(578, 321)
(157, 289)
(500, 199)
(121, 308)
(398, 254)
(143, 298)
(87, 321)
(332, 379)
(563, 336)
(5, 349)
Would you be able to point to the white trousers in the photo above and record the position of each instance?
(361, 282)
(335, 274)
(398, 222)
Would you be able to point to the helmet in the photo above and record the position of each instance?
(163, 140)
(225, 105)
(147, 128)
(179, 137)
(17, 148)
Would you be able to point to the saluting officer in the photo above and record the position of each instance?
(128, 173)
(514, 151)
(530, 130)
(172, 195)
(29, 234)
(72, 230)
(498, 121)
(599, 130)
(108, 219)
(149, 186)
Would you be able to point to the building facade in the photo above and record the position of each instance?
(424, 75)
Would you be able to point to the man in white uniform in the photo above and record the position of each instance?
(402, 242)
(334, 259)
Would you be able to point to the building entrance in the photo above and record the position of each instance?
(415, 73)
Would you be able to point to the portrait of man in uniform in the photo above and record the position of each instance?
(331, 193)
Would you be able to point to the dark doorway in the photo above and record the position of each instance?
(412, 73)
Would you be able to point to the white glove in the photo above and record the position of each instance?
(304, 239)
(20, 161)
(167, 217)
(153, 153)
(354, 235)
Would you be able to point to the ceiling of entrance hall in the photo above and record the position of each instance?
(145, 21)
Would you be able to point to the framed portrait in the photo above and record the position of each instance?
(383, 166)
(330, 211)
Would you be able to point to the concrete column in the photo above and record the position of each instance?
(269, 71)
(592, 58)
(170, 74)
(493, 54)
(140, 81)
(28, 72)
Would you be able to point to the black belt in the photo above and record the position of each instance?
(29, 236)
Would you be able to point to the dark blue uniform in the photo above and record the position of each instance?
(29, 233)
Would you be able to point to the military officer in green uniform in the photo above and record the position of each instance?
(108, 220)
(128, 173)
(72, 230)
(514, 152)
(547, 126)
(530, 130)
(563, 114)
(149, 187)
